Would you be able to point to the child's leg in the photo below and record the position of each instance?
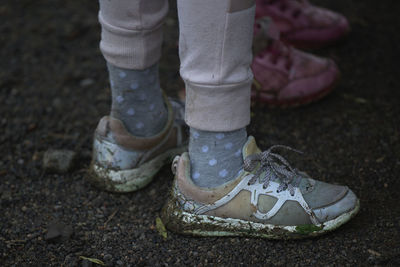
(131, 33)
(269, 198)
(215, 51)
(131, 43)
(143, 132)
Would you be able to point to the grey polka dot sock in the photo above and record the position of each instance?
(216, 157)
(137, 100)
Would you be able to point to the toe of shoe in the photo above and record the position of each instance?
(342, 206)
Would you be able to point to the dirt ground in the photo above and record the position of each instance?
(54, 89)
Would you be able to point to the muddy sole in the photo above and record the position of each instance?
(187, 223)
(125, 181)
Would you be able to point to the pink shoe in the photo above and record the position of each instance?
(287, 77)
(302, 24)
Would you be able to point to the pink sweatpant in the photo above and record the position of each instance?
(214, 47)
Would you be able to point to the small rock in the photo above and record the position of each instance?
(153, 192)
(71, 260)
(86, 263)
(142, 236)
(120, 263)
(57, 103)
(86, 82)
(327, 122)
(58, 161)
(107, 257)
(355, 131)
(57, 230)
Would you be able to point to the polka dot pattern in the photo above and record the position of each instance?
(122, 74)
(220, 136)
(139, 125)
(204, 149)
(134, 85)
(132, 91)
(223, 173)
(228, 146)
(195, 135)
(238, 153)
(212, 162)
(215, 156)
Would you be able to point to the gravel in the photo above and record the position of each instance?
(49, 47)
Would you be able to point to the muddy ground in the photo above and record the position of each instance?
(54, 89)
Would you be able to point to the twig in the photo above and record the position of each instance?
(110, 218)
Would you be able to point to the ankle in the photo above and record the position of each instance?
(137, 100)
(216, 157)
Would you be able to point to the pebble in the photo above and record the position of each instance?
(58, 161)
(86, 82)
(57, 103)
(56, 230)
(107, 257)
(86, 263)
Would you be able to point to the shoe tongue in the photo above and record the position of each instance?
(250, 147)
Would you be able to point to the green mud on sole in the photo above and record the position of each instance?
(182, 222)
(306, 229)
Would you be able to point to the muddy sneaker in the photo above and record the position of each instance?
(287, 77)
(269, 199)
(302, 24)
(122, 162)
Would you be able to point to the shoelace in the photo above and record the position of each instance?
(273, 163)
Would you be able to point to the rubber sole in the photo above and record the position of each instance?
(187, 223)
(130, 180)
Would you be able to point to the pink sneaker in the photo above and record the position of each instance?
(302, 24)
(287, 77)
